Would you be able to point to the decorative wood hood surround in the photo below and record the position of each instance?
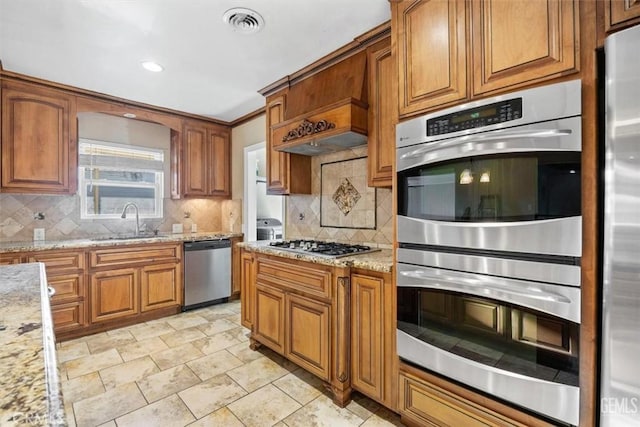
(335, 127)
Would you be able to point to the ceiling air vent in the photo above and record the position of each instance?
(243, 20)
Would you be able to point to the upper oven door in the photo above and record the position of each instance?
(515, 190)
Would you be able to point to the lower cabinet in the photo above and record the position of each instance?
(427, 400)
(133, 280)
(308, 331)
(301, 311)
(373, 336)
(247, 288)
(269, 322)
(114, 294)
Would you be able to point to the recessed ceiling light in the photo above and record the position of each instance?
(243, 20)
(152, 66)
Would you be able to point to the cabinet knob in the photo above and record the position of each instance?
(51, 291)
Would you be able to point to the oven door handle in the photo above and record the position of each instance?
(489, 136)
(520, 292)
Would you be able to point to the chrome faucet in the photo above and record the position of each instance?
(124, 215)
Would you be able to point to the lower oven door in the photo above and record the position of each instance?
(513, 339)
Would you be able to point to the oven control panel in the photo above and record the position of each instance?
(491, 114)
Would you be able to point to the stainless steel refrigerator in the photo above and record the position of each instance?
(620, 357)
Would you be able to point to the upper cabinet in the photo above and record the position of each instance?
(620, 14)
(286, 173)
(383, 91)
(431, 41)
(206, 160)
(521, 41)
(39, 140)
(452, 51)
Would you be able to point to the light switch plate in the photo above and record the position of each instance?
(176, 228)
(194, 228)
(38, 234)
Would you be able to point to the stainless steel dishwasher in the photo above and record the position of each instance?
(207, 273)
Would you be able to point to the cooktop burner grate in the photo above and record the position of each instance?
(321, 248)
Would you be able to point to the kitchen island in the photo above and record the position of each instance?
(29, 378)
(334, 317)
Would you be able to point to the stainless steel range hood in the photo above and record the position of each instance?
(337, 127)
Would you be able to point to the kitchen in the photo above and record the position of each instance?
(394, 73)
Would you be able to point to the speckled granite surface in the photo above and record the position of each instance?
(381, 260)
(110, 240)
(29, 379)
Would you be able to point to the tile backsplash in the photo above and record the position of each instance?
(303, 211)
(18, 213)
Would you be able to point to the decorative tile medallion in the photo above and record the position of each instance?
(346, 196)
(346, 200)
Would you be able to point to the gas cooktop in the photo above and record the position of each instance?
(320, 248)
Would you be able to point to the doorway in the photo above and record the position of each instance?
(258, 204)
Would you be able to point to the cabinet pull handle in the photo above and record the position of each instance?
(51, 291)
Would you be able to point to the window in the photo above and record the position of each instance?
(111, 175)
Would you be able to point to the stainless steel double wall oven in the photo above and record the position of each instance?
(489, 232)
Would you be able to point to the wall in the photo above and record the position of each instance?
(249, 133)
(309, 206)
(62, 213)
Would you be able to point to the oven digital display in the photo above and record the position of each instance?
(498, 112)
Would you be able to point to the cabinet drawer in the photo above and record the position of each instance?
(128, 256)
(68, 287)
(316, 280)
(427, 404)
(57, 262)
(68, 316)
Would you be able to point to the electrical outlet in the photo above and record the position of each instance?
(194, 228)
(176, 228)
(38, 234)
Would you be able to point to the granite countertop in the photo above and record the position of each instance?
(381, 261)
(29, 377)
(111, 240)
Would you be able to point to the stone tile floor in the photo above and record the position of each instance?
(196, 369)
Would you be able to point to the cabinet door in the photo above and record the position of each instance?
(619, 11)
(235, 267)
(308, 335)
(277, 162)
(247, 295)
(431, 50)
(69, 316)
(219, 164)
(38, 140)
(521, 42)
(114, 294)
(382, 115)
(268, 326)
(195, 158)
(367, 341)
(161, 286)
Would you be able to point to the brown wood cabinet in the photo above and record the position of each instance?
(130, 280)
(383, 90)
(308, 334)
(247, 288)
(522, 42)
(451, 51)
(66, 274)
(431, 41)
(427, 400)
(286, 173)
(301, 311)
(39, 140)
(207, 159)
(620, 14)
(236, 275)
(373, 331)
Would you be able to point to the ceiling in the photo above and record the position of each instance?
(209, 69)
